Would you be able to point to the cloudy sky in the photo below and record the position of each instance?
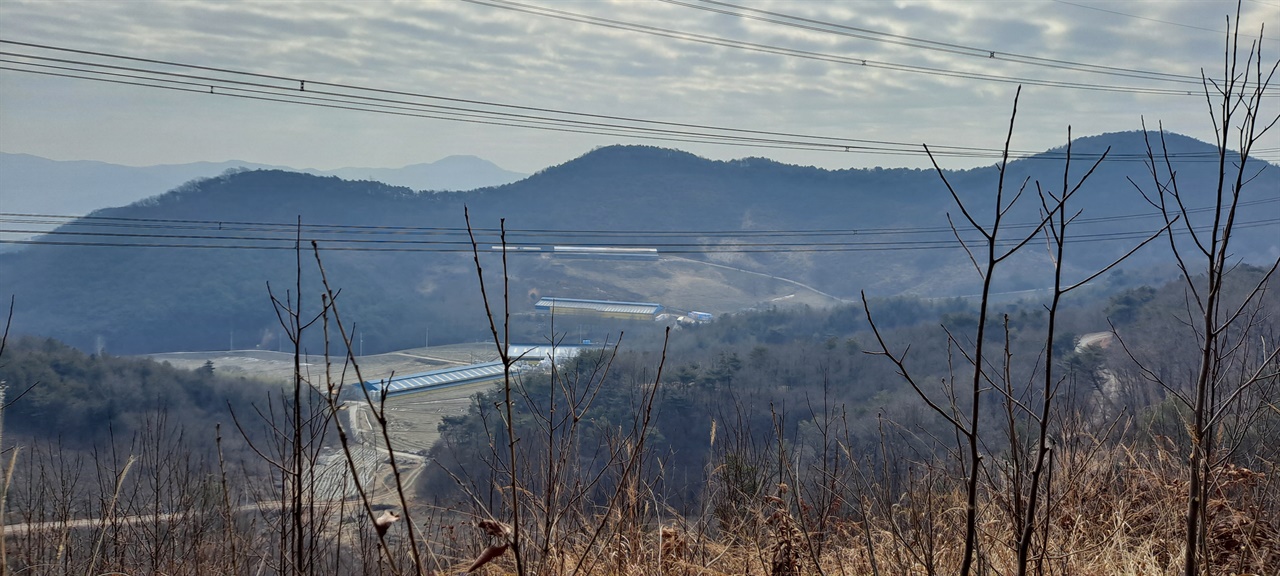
(394, 83)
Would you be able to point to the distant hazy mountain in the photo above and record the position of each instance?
(146, 284)
(450, 173)
(35, 185)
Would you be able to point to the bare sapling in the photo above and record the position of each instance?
(1021, 479)
(569, 489)
(1234, 361)
(968, 427)
(1038, 479)
(379, 410)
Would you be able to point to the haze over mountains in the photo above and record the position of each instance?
(35, 185)
(189, 269)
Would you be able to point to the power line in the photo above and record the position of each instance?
(319, 99)
(446, 239)
(819, 56)
(264, 87)
(1148, 19)
(774, 248)
(296, 86)
(291, 227)
(620, 131)
(290, 94)
(815, 25)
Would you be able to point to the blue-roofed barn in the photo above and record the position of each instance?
(436, 379)
(599, 308)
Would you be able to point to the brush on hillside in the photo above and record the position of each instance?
(500, 534)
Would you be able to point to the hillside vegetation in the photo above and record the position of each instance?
(402, 257)
(76, 397)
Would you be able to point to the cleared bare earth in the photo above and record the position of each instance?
(270, 366)
(412, 418)
(680, 284)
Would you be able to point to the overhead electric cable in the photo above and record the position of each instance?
(771, 49)
(1149, 19)
(201, 83)
(257, 86)
(286, 243)
(815, 25)
(294, 85)
(320, 98)
(448, 239)
(291, 227)
(620, 131)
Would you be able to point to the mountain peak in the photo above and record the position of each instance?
(449, 173)
(1132, 144)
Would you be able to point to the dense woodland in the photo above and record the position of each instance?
(57, 392)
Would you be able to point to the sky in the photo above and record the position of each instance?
(937, 72)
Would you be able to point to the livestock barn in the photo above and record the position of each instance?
(598, 308)
(437, 379)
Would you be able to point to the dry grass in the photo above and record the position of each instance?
(1121, 515)
(1116, 511)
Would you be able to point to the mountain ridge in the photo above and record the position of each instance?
(37, 185)
(400, 254)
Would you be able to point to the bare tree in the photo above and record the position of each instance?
(1232, 361)
(561, 510)
(1025, 472)
(952, 409)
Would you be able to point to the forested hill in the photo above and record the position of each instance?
(79, 400)
(189, 269)
(35, 185)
